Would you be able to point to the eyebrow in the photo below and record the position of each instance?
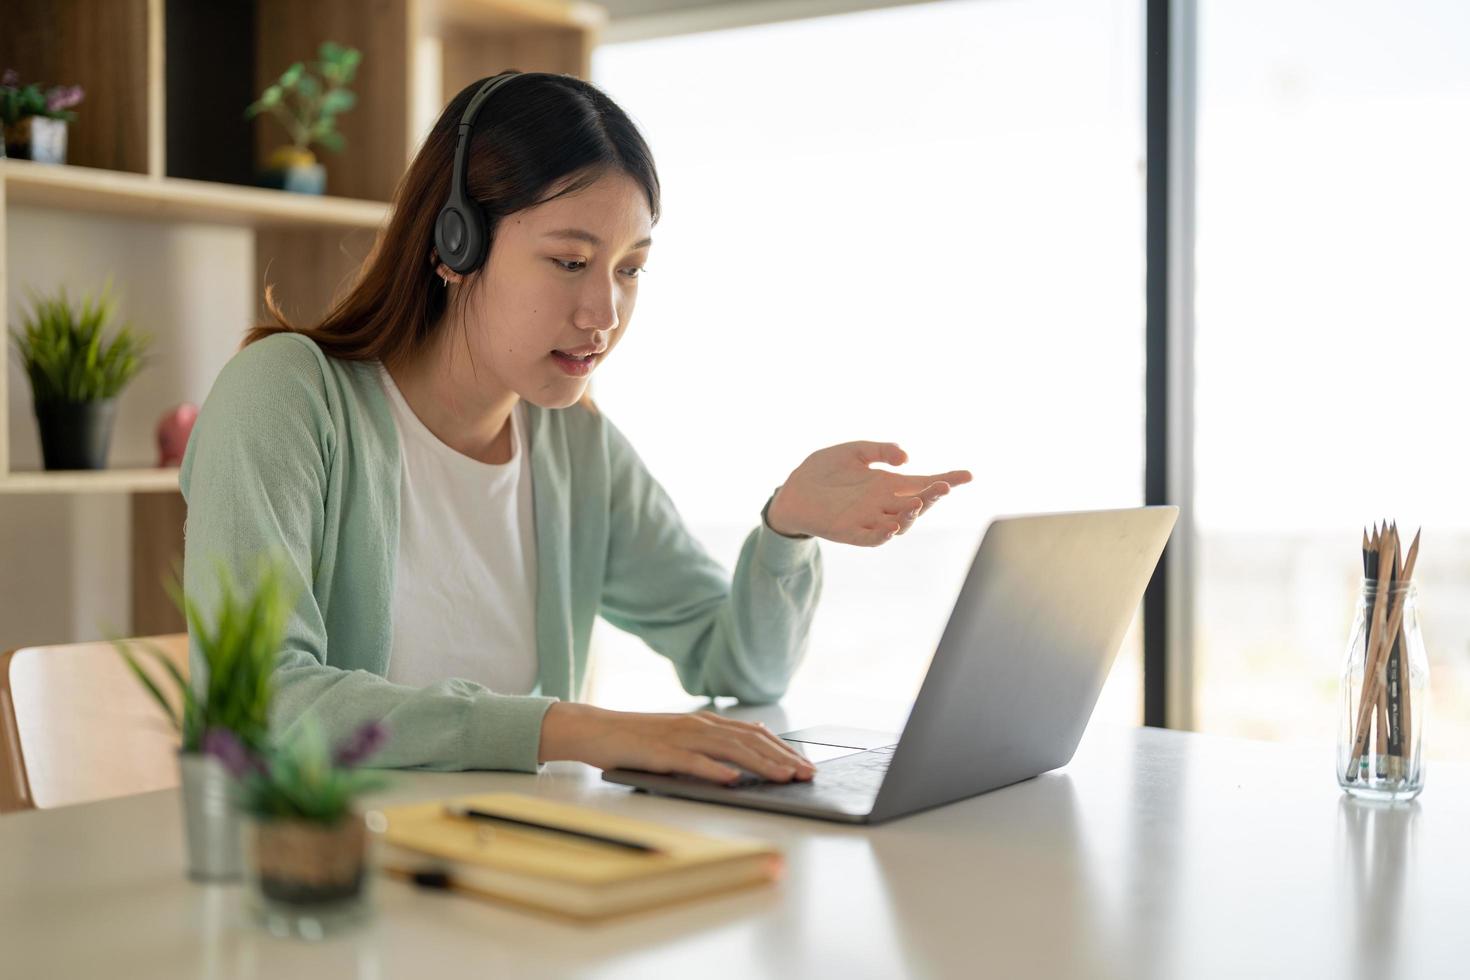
(582, 235)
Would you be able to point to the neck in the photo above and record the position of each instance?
(465, 407)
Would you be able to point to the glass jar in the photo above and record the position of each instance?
(1380, 745)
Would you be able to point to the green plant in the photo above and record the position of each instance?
(300, 779)
(239, 652)
(307, 102)
(18, 101)
(63, 353)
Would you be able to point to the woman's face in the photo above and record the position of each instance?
(558, 289)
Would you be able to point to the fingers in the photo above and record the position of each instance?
(880, 452)
(906, 512)
(905, 485)
(780, 757)
(744, 753)
(871, 536)
(693, 763)
(705, 745)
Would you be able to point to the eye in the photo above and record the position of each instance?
(634, 271)
(570, 265)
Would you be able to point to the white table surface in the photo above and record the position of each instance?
(1153, 854)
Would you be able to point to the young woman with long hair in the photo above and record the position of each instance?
(456, 512)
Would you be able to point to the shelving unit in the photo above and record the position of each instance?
(161, 138)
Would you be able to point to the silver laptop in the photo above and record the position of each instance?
(1031, 639)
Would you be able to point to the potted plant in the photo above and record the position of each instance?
(308, 864)
(307, 102)
(35, 120)
(75, 376)
(239, 644)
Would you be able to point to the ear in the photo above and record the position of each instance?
(448, 274)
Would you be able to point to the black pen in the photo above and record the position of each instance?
(471, 813)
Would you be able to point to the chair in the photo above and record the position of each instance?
(76, 726)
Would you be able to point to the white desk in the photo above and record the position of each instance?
(1154, 854)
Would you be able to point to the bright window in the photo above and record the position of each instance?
(920, 224)
(1332, 346)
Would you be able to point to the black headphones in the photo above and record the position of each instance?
(460, 235)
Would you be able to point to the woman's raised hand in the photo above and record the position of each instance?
(702, 744)
(836, 494)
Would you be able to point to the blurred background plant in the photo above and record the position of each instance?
(19, 101)
(63, 352)
(306, 100)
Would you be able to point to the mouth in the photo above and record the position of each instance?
(579, 361)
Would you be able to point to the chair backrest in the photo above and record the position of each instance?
(76, 726)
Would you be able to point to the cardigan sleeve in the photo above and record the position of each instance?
(256, 477)
(739, 635)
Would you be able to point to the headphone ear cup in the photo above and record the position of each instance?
(459, 237)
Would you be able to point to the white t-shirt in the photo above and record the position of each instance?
(464, 594)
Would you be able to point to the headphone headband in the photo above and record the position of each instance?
(459, 231)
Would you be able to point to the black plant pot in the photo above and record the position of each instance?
(75, 435)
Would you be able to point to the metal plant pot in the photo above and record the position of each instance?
(212, 825)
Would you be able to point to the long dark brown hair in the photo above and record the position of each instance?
(534, 133)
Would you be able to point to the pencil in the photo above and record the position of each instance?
(1372, 677)
(1406, 714)
(1367, 696)
(1394, 743)
(1370, 546)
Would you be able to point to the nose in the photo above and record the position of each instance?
(599, 307)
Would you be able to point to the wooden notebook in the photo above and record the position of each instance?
(578, 877)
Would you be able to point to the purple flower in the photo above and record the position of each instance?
(63, 97)
(11, 78)
(363, 743)
(226, 746)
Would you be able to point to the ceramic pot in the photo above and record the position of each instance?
(309, 879)
(38, 138)
(75, 435)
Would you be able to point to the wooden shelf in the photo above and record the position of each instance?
(150, 480)
(175, 199)
(515, 14)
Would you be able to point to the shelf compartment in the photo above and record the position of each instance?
(113, 50)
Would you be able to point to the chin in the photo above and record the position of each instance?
(551, 398)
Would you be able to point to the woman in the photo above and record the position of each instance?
(455, 510)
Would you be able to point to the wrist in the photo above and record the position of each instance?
(775, 516)
(564, 729)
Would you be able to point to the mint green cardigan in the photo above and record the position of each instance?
(297, 452)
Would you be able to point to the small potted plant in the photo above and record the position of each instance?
(307, 101)
(308, 843)
(239, 643)
(35, 119)
(75, 376)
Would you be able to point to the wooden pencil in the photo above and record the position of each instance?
(1394, 723)
(1394, 620)
(1370, 548)
(1406, 712)
(1367, 698)
(1367, 695)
